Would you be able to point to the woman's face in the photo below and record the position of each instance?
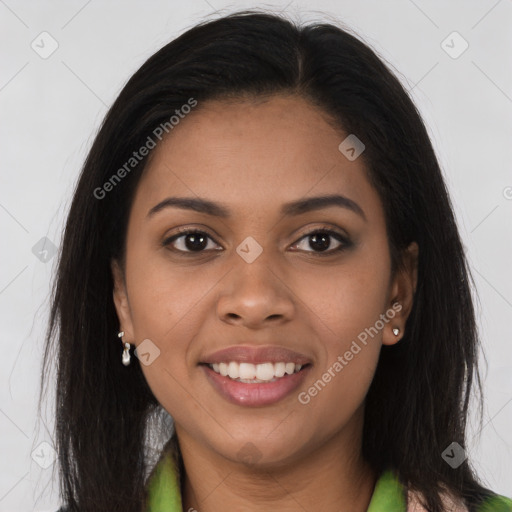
(261, 275)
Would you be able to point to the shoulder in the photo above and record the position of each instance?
(494, 503)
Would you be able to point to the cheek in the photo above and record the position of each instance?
(349, 345)
(166, 309)
(345, 311)
(338, 391)
(161, 295)
(344, 300)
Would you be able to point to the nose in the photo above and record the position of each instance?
(255, 295)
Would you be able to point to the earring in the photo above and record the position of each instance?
(396, 331)
(126, 352)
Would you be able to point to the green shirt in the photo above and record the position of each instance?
(388, 496)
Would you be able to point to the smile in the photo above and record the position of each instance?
(248, 373)
(255, 385)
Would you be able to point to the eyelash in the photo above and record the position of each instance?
(345, 242)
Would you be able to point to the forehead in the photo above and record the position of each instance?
(254, 153)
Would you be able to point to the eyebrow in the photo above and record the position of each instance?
(288, 209)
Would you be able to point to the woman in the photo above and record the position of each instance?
(263, 219)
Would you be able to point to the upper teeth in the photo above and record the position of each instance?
(248, 371)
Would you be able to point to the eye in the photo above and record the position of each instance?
(190, 241)
(194, 241)
(320, 239)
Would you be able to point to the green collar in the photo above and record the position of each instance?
(165, 495)
(164, 489)
(388, 494)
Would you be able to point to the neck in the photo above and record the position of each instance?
(332, 477)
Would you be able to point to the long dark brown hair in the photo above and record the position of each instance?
(106, 436)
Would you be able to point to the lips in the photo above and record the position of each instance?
(256, 355)
(255, 394)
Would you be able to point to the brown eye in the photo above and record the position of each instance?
(189, 241)
(320, 241)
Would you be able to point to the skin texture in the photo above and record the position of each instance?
(253, 156)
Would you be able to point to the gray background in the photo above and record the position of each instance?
(51, 109)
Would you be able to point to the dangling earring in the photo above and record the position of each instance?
(396, 331)
(126, 352)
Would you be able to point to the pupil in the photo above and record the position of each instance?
(323, 245)
(194, 238)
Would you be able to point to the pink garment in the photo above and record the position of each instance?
(449, 504)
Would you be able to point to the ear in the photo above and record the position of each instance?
(121, 302)
(401, 301)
